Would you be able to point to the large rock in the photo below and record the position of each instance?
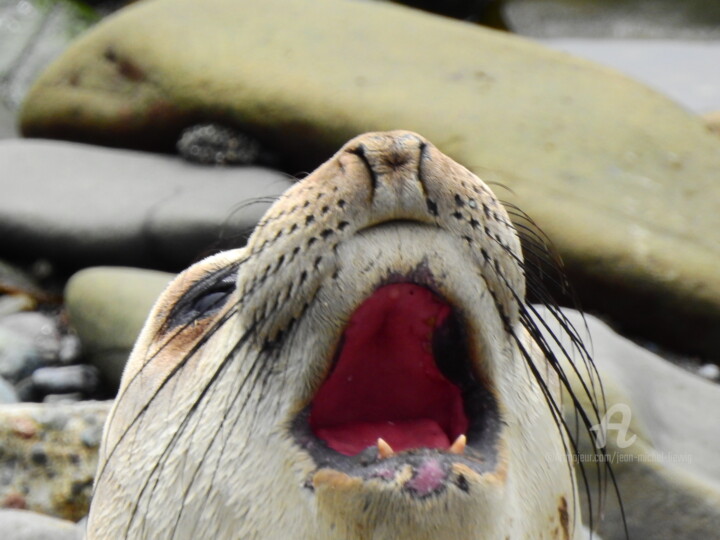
(621, 179)
(80, 205)
(25, 525)
(662, 438)
(107, 308)
(48, 456)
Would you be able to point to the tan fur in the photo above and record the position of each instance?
(198, 443)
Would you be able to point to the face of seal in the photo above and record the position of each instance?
(365, 367)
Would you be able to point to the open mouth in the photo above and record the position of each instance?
(402, 390)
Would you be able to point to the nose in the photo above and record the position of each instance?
(394, 162)
(390, 156)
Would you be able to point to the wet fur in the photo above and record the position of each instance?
(198, 444)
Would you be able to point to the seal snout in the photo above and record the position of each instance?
(388, 153)
(394, 163)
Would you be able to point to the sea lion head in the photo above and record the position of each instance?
(365, 367)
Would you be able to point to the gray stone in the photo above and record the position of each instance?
(14, 303)
(709, 371)
(28, 340)
(70, 349)
(66, 379)
(8, 128)
(686, 71)
(49, 457)
(107, 308)
(25, 525)
(645, 19)
(80, 205)
(662, 437)
(7, 392)
(73, 397)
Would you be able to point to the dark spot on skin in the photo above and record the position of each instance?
(326, 233)
(317, 262)
(341, 203)
(564, 518)
(280, 261)
(474, 223)
(462, 483)
(458, 200)
(309, 219)
(325, 209)
(311, 241)
(126, 68)
(457, 215)
(130, 71)
(342, 225)
(432, 207)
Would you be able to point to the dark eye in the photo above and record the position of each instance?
(204, 299)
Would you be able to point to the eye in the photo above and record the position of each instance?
(203, 299)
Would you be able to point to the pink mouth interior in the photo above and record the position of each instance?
(385, 382)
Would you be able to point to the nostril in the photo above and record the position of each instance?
(396, 160)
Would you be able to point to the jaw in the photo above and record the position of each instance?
(438, 375)
(513, 458)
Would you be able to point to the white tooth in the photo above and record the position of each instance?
(384, 449)
(458, 447)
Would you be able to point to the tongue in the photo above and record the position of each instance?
(385, 383)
